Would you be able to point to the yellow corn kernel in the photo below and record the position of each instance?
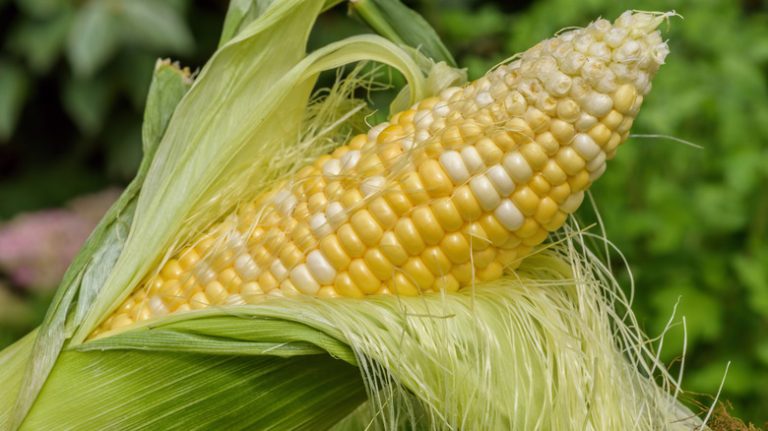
(447, 283)
(346, 287)
(434, 178)
(456, 247)
(414, 189)
(378, 264)
(466, 203)
(526, 201)
(362, 276)
(172, 269)
(366, 227)
(547, 209)
(490, 272)
(408, 236)
(402, 285)
(383, 213)
(398, 201)
(419, 273)
(436, 261)
(489, 152)
(464, 273)
(427, 225)
(290, 255)
(394, 252)
(349, 240)
(497, 233)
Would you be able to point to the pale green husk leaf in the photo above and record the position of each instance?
(92, 265)
(397, 22)
(156, 390)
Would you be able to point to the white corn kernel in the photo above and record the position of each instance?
(595, 163)
(203, 273)
(350, 159)
(585, 122)
(246, 267)
(157, 306)
(483, 99)
(336, 214)
(597, 173)
(472, 160)
(447, 93)
(332, 168)
(303, 280)
(278, 270)
(501, 180)
(372, 185)
(423, 135)
(585, 146)
(320, 268)
(441, 109)
(319, 225)
(517, 167)
(572, 203)
(508, 215)
(234, 299)
(454, 166)
(423, 119)
(484, 192)
(598, 104)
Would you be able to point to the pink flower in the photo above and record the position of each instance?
(36, 248)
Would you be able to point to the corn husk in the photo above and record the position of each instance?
(552, 346)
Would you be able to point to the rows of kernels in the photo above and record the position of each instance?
(446, 193)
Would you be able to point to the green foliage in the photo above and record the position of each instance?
(95, 54)
(13, 91)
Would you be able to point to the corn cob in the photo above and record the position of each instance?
(455, 189)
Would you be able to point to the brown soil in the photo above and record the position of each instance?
(721, 420)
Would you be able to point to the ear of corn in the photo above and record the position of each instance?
(448, 193)
(541, 349)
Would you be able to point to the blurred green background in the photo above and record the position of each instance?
(692, 223)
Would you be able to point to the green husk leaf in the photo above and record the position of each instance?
(243, 335)
(400, 24)
(85, 276)
(242, 12)
(136, 390)
(169, 84)
(239, 15)
(13, 362)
